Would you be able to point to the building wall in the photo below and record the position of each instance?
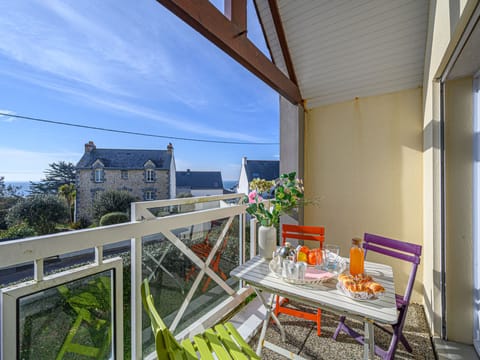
(173, 179)
(207, 192)
(87, 189)
(363, 165)
(446, 22)
(243, 179)
(459, 195)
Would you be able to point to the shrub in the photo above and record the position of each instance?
(82, 223)
(114, 218)
(41, 212)
(18, 231)
(112, 201)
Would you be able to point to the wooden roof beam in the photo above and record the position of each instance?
(282, 39)
(229, 36)
(236, 11)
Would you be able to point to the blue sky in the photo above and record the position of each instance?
(128, 65)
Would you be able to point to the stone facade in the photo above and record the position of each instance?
(122, 170)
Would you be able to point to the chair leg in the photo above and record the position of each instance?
(190, 273)
(319, 322)
(405, 343)
(340, 327)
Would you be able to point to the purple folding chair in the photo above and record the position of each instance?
(399, 250)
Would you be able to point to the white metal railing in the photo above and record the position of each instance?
(143, 223)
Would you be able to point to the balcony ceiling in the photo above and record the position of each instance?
(345, 49)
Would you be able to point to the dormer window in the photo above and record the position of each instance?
(149, 175)
(98, 175)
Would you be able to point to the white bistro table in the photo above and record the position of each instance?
(257, 274)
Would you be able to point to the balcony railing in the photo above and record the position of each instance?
(79, 291)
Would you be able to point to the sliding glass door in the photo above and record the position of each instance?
(476, 214)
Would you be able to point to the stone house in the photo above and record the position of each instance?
(146, 174)
(253, 169)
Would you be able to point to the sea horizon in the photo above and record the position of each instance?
(25, 185)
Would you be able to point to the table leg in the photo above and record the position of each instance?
(369, 341)
(269, 314)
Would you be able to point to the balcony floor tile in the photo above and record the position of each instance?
(303, 340)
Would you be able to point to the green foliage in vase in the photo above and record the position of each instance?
(288, 195)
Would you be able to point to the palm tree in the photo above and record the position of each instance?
(68, 192)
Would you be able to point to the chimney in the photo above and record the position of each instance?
(188, 172)
(170, 148)
(90, 146)
(244, 161)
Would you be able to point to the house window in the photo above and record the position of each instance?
(124, 174)
(98, 175)
(149, 175)
(149, 195)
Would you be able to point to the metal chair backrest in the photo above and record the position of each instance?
(301, 232)
(399, 250)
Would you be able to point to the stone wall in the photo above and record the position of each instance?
(87, 189)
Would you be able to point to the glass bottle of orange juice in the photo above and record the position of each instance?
(356, 257)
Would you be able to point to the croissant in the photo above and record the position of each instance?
(345, 277)
(359, 288)
(375, 287)
(348, 282)
(362, 278)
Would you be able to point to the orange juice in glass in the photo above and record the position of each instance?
(356, 257)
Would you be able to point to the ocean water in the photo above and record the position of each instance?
(228, 184)
(24, 186)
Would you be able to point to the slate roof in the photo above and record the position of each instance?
(125, 159)
(263, 169)
(197, 180)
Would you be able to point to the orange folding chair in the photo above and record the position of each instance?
(202, 250)
(298, 232)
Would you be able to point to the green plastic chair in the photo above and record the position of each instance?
(223, 340)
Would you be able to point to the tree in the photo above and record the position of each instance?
(68, 192)
(8, 197)
(8, 190)
(56, 175)
(112, 201)
(41, 212)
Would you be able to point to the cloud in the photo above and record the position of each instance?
(57, 39)
(13, 160)
(6, 118)
(185, 126)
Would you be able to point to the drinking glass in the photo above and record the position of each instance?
(330, 256)
(319, 258)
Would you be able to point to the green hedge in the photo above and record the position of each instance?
(113, 218)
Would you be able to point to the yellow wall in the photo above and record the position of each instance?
(363, 162)
(458, 188)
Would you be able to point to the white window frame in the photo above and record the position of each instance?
(149, 195)
(149, 175)
(10, 295)
(98, 175)
(476, 212)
